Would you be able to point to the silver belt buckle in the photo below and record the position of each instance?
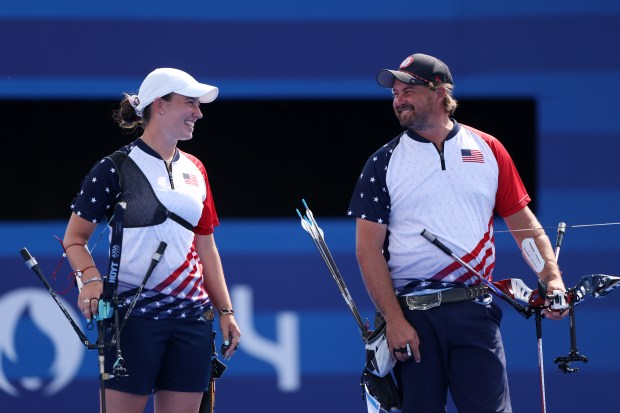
(423, 302)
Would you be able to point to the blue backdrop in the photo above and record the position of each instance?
(301, 350)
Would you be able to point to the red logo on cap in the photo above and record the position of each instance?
(406, 62)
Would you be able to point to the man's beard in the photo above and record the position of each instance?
(418, 118)
(417, 121)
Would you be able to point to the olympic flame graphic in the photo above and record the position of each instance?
(68, 350)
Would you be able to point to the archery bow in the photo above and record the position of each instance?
(107, 303)
(512, 289)
(376, 377)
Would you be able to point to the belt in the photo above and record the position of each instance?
(453, 295)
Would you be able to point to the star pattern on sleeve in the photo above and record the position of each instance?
(371, 198)
(98, 192)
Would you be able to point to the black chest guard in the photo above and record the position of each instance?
(144, 209)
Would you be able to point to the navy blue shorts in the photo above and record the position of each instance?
(461, 350)
(172, 355)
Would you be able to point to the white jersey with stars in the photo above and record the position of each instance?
(175, 288)
(410, 186)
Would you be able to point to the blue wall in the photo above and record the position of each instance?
(305, 353)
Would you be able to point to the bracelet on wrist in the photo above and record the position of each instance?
(226, 311)
(92, 280)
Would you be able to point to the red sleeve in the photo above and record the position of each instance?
(208, 220)
(511, 194)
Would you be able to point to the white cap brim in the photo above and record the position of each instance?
(206, 93)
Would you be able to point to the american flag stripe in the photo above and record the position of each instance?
(479, 254)
(472, 155)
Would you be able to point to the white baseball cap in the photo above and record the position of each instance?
(166, 80)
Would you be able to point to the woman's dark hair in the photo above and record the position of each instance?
(127, 118)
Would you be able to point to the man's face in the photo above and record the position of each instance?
(413, 105)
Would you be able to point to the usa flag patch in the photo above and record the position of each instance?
(472, 155)
(190, 179)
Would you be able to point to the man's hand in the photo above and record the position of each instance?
(403, 340)
(556, 310)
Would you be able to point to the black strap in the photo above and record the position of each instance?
(185, 224)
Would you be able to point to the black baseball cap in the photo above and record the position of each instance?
(417, 69)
